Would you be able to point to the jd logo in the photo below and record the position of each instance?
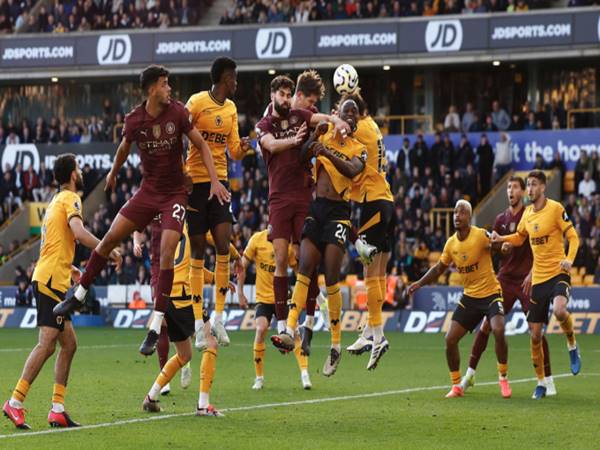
(443, 35)
(273, 43)
(114, 49)
(24, 154)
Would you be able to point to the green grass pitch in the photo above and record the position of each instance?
(407, 408)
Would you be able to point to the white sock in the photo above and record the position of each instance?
(470, 372)
(321, 300)
(156, 322)
(80, 293)
(281, 326)
(547, 380)
(154, 391)
(203, 400)
(304, 372)
(258, 378)
(571, 347)
(377, 333)
(58, 407)
(198, 325)
(367, 332)
(219, 317)
(338, 347)
(542, 382)
(14, 403)
(289, 331)
(309, 322)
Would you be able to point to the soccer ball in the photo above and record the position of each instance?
(345, 79)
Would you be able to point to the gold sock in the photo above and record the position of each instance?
(502, 369)
(197, 285)
(298, 300)
(221, 281)
(567, 327)
(383, 289)
(373, 301)
(302, 359)
(21, 390)
(334, 305)
(207, 369)
(169, 370)
(537, 357)
(455, 376)
(58, 393)
(259, 359)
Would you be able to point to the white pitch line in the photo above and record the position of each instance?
(81, 347)
(267, 405)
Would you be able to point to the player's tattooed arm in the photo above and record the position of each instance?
(217, 189)
(88, 240)
(432, 275)
(274, 145)
(120, 158)
(347, 168)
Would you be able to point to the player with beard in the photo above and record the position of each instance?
(157, 126)
(469, 249)
(546, 224)
(515, 279)
(62, 226)
(281, 135)
(326, 228)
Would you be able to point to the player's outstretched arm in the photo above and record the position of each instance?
(216, 187)
(432, 275)
(120, 158)
(89, 240)
(340, 126)
(273, 145)
(347, 168)
(516, 239)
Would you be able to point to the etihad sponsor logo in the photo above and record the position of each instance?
(349, 40)
(443, 36)
(531, 31)
(273, 43)
(41, 52)
(160, 145)
(193, 46)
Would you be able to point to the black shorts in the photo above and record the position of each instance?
(204, 214)
(180, 322)
(44, 305)
(543, 294)
(328, 222)
(470, 311)
(266, 310)
(377, 224)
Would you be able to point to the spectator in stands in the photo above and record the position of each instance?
(468, 117)
(404, 160)
(515, 123)
(446, 155)
(476, 125)
(530, 124)
(31, 183)
(24, 294)
(137, 302)
(503, 156)
(539, 163)
(452, 119)
(500, 117)
(489, 124)
(419, 153)
(486, 165)
(584, 164)
(587, 186)
(464, 154)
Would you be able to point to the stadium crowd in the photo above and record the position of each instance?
(299, 11)
(63, 16)
(422, 178)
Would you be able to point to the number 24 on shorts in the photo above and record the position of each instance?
(341, 232)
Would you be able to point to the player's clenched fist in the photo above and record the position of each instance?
(495, 237)
(566, 265)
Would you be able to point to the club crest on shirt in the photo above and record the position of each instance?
(76, 205)
(293, 120)
(464, 256)
(156, 131)
(512, 227)
(536, 227)
(170, 127)
(218, 121)
(284, 125)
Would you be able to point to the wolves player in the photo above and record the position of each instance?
(515, 279)
(63, 225)
(260, 251)
(372, 193)
(157, 126)
(545, 223)
(326, 227)
(470, 251)
(281, 135)
(214, 115)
